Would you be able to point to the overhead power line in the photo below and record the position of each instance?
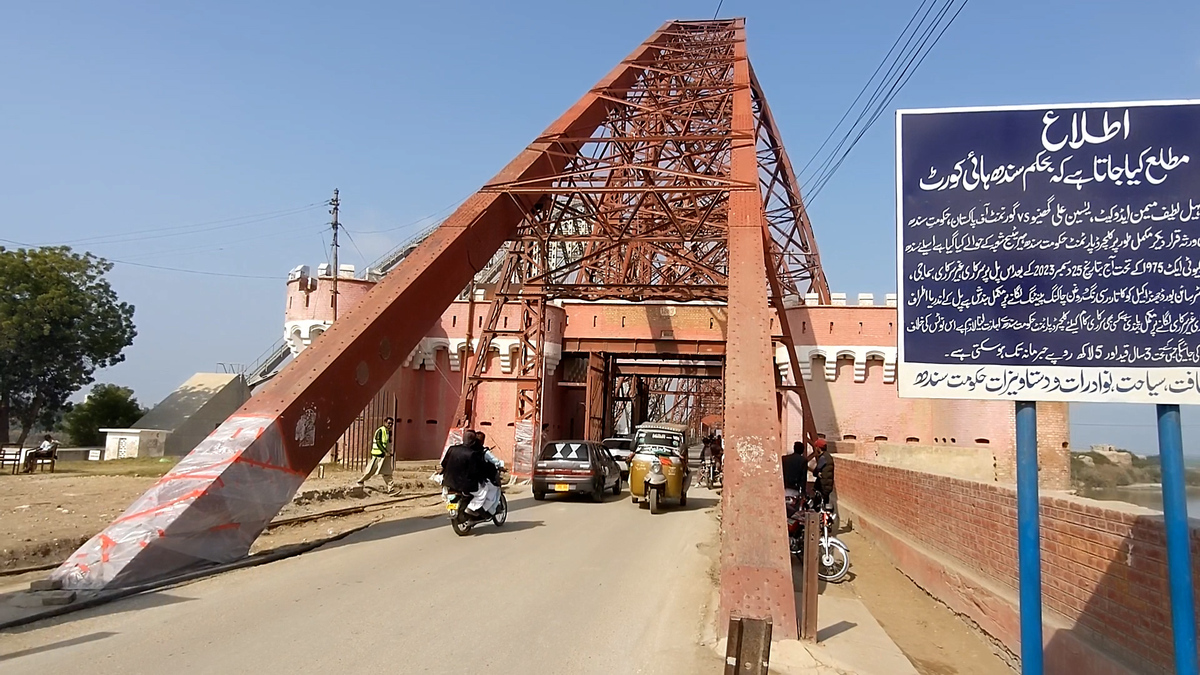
(354, 243)
(183, 230)
(157, 267)
(420, 220)
(920, 35)
(203, 272)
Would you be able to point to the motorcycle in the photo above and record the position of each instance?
(711, 476)
(833, 556)
(462, 522)
(456, 504)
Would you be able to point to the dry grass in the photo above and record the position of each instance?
(137, 466)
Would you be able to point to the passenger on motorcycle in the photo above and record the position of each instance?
(496, 462)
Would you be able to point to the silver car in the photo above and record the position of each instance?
(621, 450)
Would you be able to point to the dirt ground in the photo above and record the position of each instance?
(44, 517)
(935, 639)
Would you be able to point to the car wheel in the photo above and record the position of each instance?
(655, 507)
(539, 495)
(617, 487)
(598, 491)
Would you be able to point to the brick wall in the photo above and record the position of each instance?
(1103, 564)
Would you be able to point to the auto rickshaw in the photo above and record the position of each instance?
(658, 469)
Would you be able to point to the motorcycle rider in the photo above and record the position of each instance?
(718, 451)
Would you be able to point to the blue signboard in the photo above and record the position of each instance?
(1050, 252)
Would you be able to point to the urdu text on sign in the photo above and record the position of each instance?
(1050, 252)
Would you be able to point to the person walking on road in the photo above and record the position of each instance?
(382, 460)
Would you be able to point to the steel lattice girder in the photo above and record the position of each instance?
(218, 499)
(652, 185)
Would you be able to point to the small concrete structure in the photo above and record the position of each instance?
(129, 443)
(188, 414)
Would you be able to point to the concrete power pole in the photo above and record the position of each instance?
(336, 270)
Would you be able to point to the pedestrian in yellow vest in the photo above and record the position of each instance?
(382, 459)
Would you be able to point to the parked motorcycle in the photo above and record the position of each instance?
(833, 556)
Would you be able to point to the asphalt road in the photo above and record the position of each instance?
(566, 586)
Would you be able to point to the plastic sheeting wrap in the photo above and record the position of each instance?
(453, 438)
(209, 509)
(523, 448)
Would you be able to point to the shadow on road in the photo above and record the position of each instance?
(698, 503)
(412, 525)
(9, 609)
(508, 527)
(82, 639)
(836, 629)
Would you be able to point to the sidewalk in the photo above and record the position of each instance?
(849, 635)
(849, 642)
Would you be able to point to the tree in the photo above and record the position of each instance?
(60, 320)
(107, 406)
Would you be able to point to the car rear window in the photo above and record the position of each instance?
(570, 452)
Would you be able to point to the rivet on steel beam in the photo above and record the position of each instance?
(362, 373)
(385, 349)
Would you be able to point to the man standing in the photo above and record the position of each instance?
(46, 450)
(795, 468)
(823, 475)
(382, 456)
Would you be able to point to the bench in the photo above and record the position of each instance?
(16, 457)
(10, 456)
(42, 462)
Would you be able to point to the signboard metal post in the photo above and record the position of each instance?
(1029, 558)
(1179, 561)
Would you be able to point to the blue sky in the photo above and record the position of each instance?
(144, 116)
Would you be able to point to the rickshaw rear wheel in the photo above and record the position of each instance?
(655, 507)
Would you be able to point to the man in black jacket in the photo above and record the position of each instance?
(466, 469)
(823, 473)
(795, 468)
(462, 467)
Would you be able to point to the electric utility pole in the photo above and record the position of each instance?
(336, 270)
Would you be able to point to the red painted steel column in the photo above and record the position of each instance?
(217, 500)
(756, 570)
